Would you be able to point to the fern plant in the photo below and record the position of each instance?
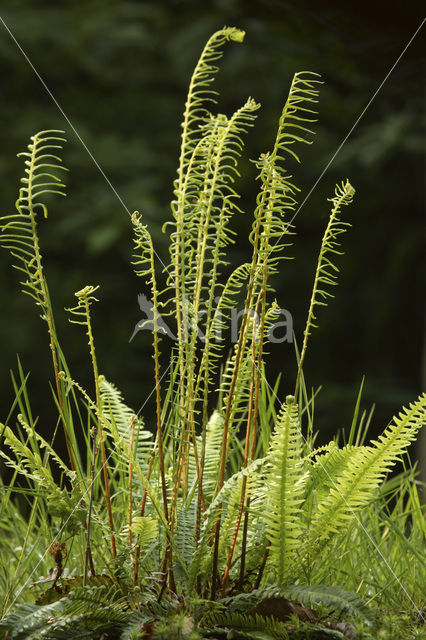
(201, 520)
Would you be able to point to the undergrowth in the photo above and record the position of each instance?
(220, 518)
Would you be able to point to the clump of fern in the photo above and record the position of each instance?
(204, 522)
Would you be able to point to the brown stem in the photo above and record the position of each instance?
(262, 567)
(144, 497)
(132, 435)
(89, 513)
(251, 421)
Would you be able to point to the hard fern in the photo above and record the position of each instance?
(359, 476)
(19, 234)
(285, 480)
(326, 269)
(120, 416)
(275, 198)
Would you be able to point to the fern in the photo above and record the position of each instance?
(19, 231)
(19, 234)
(227, 503)
(256, 626)
(326, 269)
(120, 416)
(285, 482)
(308, 595)
(85, 612)
(357, 480)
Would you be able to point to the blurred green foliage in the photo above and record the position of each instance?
(120, 71)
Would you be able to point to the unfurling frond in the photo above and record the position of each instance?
(298, 113)
(277, 195)
(326, 272)
(85, 298)
(200, 92)
(18, 232)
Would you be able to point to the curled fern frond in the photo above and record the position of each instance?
(200, 92)
(277, 194)
(326, 272)
(298, 112)
(18, 232)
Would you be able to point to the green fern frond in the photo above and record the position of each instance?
(84, 612)
(307, 595)
(252, 626)
(212, 453)
(185, 540)
(85, 298)
(299, 111)
(145, 527)
(18, 232)
(328, 596)
(199, 93)
(326, 271)
(277, 193)
(230, 490)
(216, 327)
(285, 488)
(120, 417)
(195, 114)
(358, 479)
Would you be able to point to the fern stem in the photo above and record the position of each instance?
(88, 553)
(99, 426)
(132, 436)
(47, 307)
(142, 512)
(250, 439)
(262, 566)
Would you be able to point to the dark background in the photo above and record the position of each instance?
(120, 71)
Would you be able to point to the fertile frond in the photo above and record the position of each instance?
(277, 194)
(18, 232)
(214, 339)
(199, 93)
(85, 298)
(298, 113)
(326, 272)
(201, 228)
